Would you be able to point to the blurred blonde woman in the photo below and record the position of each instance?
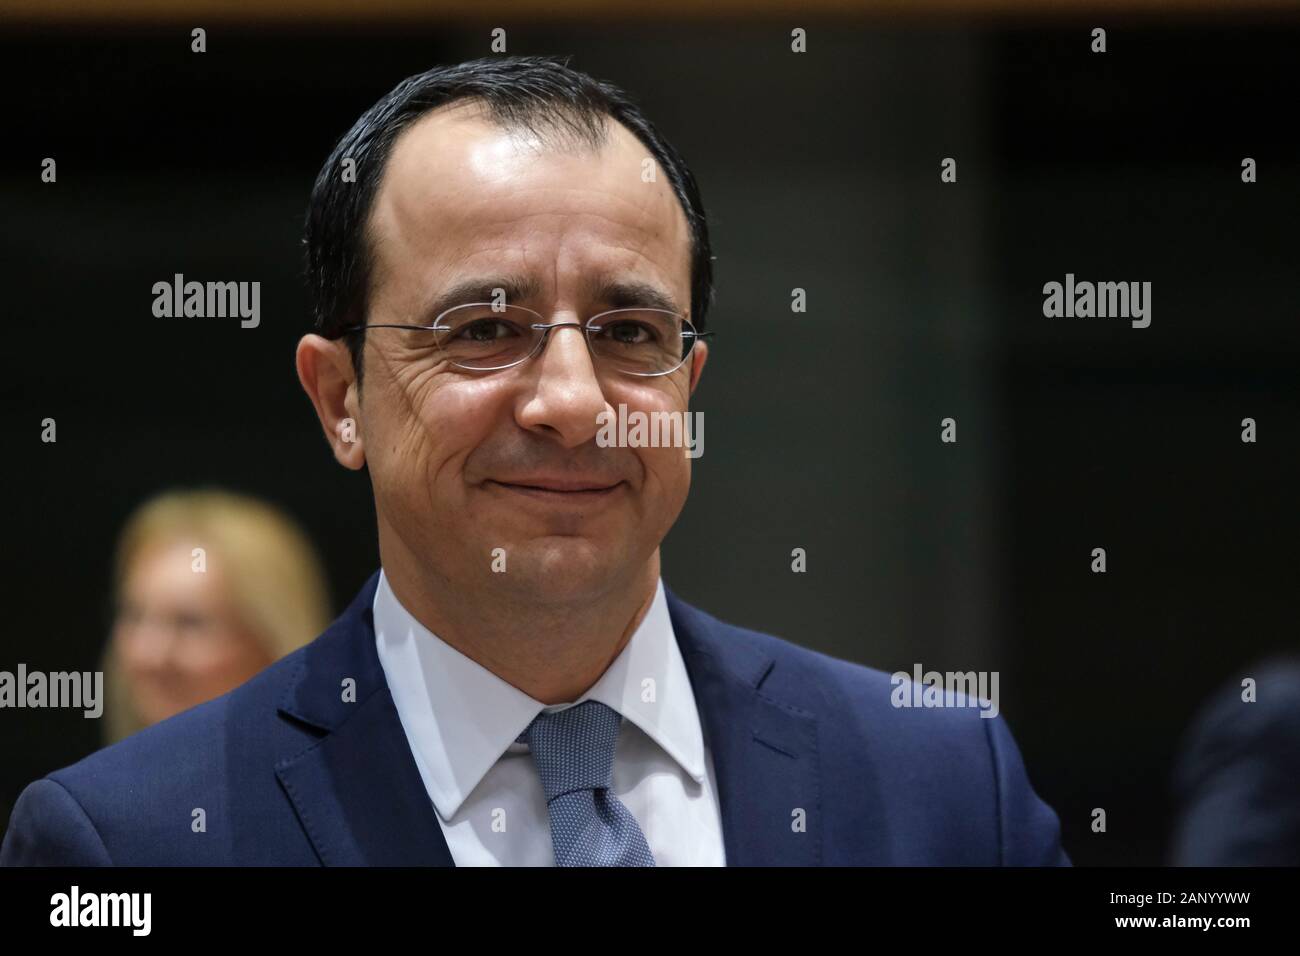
(192, 624)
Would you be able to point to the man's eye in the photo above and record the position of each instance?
(486, 330)
(628, 333)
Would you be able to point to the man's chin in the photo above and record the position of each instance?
(561, 569)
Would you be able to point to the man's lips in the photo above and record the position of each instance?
(578, 488)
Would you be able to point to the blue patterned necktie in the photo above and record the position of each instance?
(574, 752)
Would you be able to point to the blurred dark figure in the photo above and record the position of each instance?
(1237, 784)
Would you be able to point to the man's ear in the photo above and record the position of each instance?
(699, 355)
(325, 370)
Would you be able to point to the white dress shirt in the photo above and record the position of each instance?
(461, 721)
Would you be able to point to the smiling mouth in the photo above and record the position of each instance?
(559, 492)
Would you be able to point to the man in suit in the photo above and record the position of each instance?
(501, 253)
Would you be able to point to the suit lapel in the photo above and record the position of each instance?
(357, 790)
(764, 750)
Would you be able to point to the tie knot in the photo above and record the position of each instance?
(574, 748)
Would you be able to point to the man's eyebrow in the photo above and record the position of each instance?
(481, 289)
(611, 293)
(633, 293)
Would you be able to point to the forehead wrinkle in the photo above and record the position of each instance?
(622, 238)
(624, 233)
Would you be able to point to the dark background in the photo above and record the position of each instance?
(820, 171)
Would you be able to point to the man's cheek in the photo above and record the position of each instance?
(667, 475)
(401, 456)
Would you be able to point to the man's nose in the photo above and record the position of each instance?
(567, 397)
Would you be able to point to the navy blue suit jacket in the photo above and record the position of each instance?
(287, 772)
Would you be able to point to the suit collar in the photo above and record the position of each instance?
(360, 798)
(460, 717)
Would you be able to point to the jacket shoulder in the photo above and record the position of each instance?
(944, 770)
(171, 751)
(149, 798)
(821, 683)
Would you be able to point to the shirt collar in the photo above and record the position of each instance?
(460, 717)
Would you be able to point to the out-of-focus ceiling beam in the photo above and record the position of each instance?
(433, 11)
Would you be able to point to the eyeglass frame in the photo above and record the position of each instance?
(545, 328)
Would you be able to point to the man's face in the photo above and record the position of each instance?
(466, 462)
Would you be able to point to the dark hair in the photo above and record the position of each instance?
(542, 95)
